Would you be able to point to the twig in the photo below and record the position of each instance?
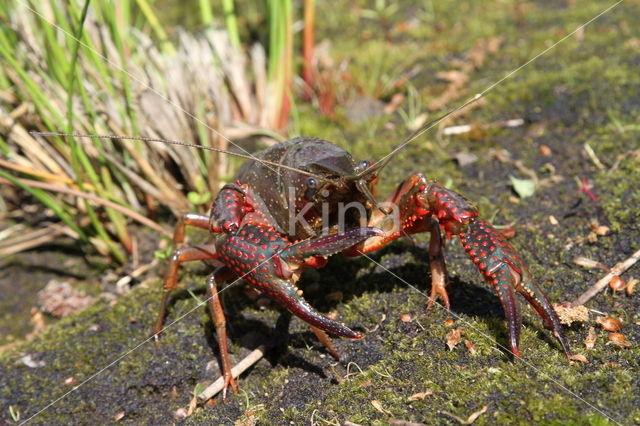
(34, 239)
(472, 418)
(618, 269)
(237, 370)
(55, 188)
(592, 155)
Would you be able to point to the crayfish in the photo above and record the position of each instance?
(303, 200)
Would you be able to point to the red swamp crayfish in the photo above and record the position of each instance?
(300, 201)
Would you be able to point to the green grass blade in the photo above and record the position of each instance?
(206, 13)
(231, 22)
(154, 23)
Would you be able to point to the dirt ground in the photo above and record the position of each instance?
(568, 122)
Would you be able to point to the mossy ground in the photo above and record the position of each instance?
(586, 90)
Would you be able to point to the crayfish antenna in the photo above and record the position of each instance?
(187, 145)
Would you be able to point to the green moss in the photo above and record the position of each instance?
(568, 98)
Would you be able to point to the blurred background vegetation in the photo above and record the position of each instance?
(201, 74)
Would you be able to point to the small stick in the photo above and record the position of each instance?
(618, 269)
(34, 239)
(124, 210)
(237, 370)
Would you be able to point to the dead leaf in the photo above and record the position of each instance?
(523, 187)
(119, 415)
(609, 324)
(546, 151)
(465, 158)
(568, 313)
(472, 418)
(470, 346)
(455, 77)
(192, 405)
(420, 395)
(589, 263)
(590, 340)
(406, 318)
(180, 413)
(30, 362)
(619, 340)
(454, 337)
(476, 56)
(378, 406)
(400, 422)
(579, 358)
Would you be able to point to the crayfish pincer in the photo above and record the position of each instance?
(285, 212)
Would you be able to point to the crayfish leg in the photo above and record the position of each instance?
(179, 256)
(185, 254)
(220, 324)
(438, 267)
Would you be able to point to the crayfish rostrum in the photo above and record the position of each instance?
(303, 200)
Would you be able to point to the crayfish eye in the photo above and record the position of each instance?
(312, 188)
(362, 166)
(311, 183)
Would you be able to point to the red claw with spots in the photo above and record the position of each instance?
(426, 206)
(272, 265)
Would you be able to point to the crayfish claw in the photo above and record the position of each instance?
(505, 271)
(326, 341)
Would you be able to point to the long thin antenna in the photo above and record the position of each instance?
(188, 145)
(425, 127)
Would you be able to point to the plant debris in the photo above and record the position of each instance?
(617, 284)
(589, 263)
(619, 340)
(59, 299)
(472, 418)
(470, 346)
(454, 337)
(617, 270)
(609, 324)
(590, 340)
(378, 406)
(578, 357)
(523, 187)
(568, 314)
(30, 362)
(420, 395)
